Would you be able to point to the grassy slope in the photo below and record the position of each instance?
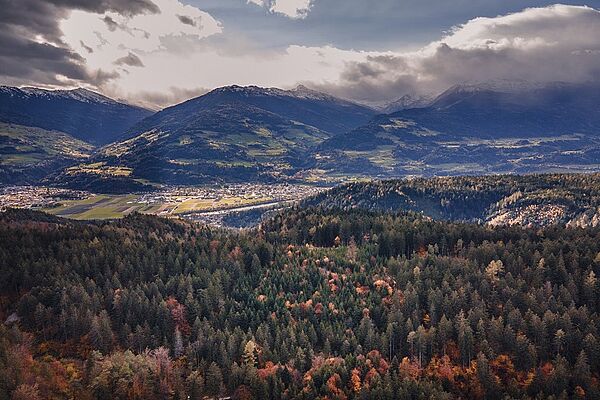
(29, 154)
(23, 145)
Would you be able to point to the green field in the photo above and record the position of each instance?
(117, 206)
(99, 207)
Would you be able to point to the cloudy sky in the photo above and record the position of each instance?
(158, 52)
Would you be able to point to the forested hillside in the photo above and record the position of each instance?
(313, 304)
(535, 200)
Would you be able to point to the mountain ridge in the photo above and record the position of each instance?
(82, 113)
(249, 133)
(478, 129)
(233, 133)
(79, 94)
(302, 104)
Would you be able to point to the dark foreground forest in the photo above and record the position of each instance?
(313, 304)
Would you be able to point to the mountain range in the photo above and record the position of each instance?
(509, 109)
(250, 133)
(229, 134)
(483, 128)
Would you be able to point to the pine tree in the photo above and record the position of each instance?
(484, 374)
(177, 343)
(214, 379)
(582, 374)
(195, 385)
(559, 341)
(101, 334)
(465, 338)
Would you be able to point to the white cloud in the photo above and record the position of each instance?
(160, 59)
(295, 9)
(209, 68)
(140, 34)
(178, 58)
(555, 43)
(292, 8)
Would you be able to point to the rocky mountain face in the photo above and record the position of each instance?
(406, 102)
(527, 200)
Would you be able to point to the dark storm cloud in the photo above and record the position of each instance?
(124, 7)
(110, 23)
(186, 20)
(86, 47)
(24, 59)
(130, 59)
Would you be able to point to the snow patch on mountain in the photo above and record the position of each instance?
(80, 94)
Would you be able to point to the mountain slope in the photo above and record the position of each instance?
(512, 109)
(309, 107)
(81, 113)
(232, 134)
(572, 199)
(407, 101)
(487, 128)
(28, 154)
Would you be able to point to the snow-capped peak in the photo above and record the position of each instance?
(500, 85)
(304, 92)
(408, 101)
(80, 94)
(300, 92)
(87, 96)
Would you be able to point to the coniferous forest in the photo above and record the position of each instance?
(299, 200)
(313, 304)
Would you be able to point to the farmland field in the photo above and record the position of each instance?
(174, 201)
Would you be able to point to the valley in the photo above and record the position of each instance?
(494, 200)
(188, 202)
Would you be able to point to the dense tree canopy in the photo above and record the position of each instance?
(572, 199)
(313, 303)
